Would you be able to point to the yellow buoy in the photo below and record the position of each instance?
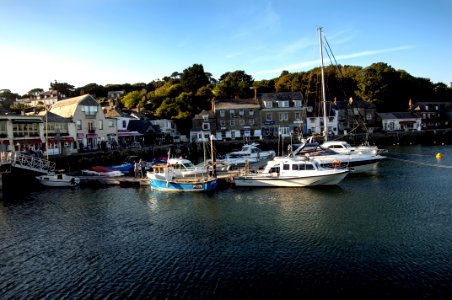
(439, 155)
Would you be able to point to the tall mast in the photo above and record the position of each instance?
(325, 119)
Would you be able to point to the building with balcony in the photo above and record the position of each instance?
(91, 126)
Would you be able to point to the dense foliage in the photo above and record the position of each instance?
(182, 95)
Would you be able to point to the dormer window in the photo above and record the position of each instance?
(268, 104)
(283, 103)
(297, 103)
(205, 117)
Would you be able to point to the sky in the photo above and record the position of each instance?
(132, 41)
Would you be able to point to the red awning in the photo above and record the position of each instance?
(28, 141)
(4, 142)
(68, 139)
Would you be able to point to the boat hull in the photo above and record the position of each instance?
(258, 180)
(58, 180)
(179, 186)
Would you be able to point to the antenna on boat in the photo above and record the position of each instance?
(325, 124)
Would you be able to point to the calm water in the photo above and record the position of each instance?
(386, 234)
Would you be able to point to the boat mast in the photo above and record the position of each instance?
(325, 119)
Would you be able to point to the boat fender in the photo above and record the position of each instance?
(336, 163)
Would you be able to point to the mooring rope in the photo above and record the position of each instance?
(420, 163)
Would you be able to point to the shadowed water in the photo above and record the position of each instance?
(385, 234)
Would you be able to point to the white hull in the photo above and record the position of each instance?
(290, 181)
(58, 180)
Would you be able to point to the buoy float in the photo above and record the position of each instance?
(439, 156)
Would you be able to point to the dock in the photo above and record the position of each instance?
(225, 178)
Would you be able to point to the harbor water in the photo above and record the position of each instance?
(383, 234)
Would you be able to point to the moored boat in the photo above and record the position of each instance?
(164, 178)
(292, 172)
(102, 171)
(58, 180)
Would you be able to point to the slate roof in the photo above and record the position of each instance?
(281, 96)
(66, 108)
(398, 115)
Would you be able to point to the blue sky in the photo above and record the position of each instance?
(131, 41)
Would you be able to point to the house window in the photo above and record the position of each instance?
(268, 104)
(297, 103)
(89, 110)
(111, 123)
(222, 113)
(368, 116)
(241, 112)
(124, 124)
(251, 112)
(100, 124)
(231, 113)
(205, 117)
(222, 123)
(251, 121)
(3, 128)
(241, 122)
(232, 122)
(268, 116)
(283, 103)
(283, 116)
(205, 126)
(297, 116)
(78, 124)
(284, 130)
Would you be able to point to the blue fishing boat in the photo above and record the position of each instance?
(163, 178)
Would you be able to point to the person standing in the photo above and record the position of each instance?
(137, 168)
(142, 168)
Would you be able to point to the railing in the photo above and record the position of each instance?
(27, 162)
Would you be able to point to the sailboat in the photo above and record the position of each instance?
(357, 161)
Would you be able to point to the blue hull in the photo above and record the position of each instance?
(171, 186)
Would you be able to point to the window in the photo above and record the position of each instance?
(205, 117)
(3, 127)
(268, 116)
(89, 110)
(286, 167)
(232, 122)
(283, 103)
(231, 113)
(251, 121)
(297, 103)
(368, 116)
(251, 112)
(222, 113)
(241, 112)
(283, 116)
(268, 104)
(100, 124)
(222, 123)
(111, 123)
(241, 122)
(78, 124)
(297, 116)
(205, 126)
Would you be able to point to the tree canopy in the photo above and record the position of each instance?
(181, 95)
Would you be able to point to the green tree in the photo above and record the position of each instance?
(63, 87)
(131, 99)
(193, 78)
(234, 84)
